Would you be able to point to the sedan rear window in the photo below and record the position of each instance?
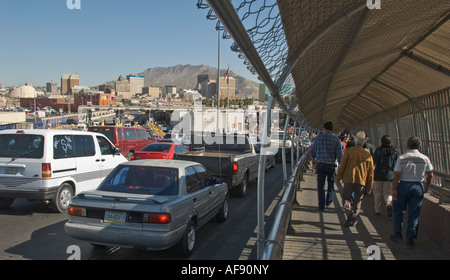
(157, 148)
(142, 180)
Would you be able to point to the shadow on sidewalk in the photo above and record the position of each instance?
(320, 235)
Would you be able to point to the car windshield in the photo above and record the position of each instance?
(21, 146)
(108, 132)
(157, 148)
(148, 180)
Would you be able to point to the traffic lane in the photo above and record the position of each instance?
(30, 230)
(233, 240)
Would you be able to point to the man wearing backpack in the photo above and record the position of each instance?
(384, 159)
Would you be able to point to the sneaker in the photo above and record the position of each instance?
(396, 235)
(389, 211)
(409, 242)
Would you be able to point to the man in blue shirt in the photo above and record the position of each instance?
(327, 152)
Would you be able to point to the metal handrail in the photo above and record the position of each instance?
(273, 249)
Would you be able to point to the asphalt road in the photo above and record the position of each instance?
(29, 230)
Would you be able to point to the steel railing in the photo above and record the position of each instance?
(273, 249)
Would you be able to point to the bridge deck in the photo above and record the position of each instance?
(322, 236)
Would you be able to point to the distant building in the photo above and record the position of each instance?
(104, 87)
(129, 87)
(122, 87)
(52, 87)
(26, 91)
(209, 88)
(200, 79)
(227, 87)
(189, 95)
(136, 84)
(68, 81)
(152, 92)
(81, 89)
(263, 93)
(169, 91)
(103, 99)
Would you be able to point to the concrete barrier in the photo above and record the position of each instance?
(435, 221)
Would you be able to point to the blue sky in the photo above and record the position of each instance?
(42, 39)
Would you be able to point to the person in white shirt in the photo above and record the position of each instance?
(413, 173)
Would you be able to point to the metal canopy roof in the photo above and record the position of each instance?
(339, 60)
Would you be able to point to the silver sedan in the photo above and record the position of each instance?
(149, 204)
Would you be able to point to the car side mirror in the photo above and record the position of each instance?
(116, 151)
(219, 181)
(209, 182)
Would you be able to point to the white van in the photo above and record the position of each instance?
(53, 165)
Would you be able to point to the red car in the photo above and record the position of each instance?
(161, 150)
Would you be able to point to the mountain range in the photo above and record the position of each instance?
(185, 77)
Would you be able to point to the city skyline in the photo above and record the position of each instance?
(105, 39)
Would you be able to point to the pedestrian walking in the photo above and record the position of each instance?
(413, 173)
(384, 159)
(326, 151)
(356, 172)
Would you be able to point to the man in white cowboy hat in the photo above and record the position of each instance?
(356, 171)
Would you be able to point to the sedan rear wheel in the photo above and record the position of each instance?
(187, 243)
(223, 212)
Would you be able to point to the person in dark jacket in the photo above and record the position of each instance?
(384, 159)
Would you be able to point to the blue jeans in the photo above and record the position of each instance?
(328, 172)
(409, 196)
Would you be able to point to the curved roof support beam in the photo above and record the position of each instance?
(402, 93)
(402, 54)
(293, 60)
(373, 102)
(344, 54)
(427, 63)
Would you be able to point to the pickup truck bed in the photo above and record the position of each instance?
(218, 165)
(235, 163)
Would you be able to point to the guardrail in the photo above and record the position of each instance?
(273, 248)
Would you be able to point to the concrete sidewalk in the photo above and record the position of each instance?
(321, 235)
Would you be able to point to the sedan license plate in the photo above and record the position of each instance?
(115, 217)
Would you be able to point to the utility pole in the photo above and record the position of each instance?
(218, 78)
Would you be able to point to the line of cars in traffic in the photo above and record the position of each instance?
(149, 201)
(152, 204)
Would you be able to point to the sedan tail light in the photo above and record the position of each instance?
(156, 218)
(76, 211)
